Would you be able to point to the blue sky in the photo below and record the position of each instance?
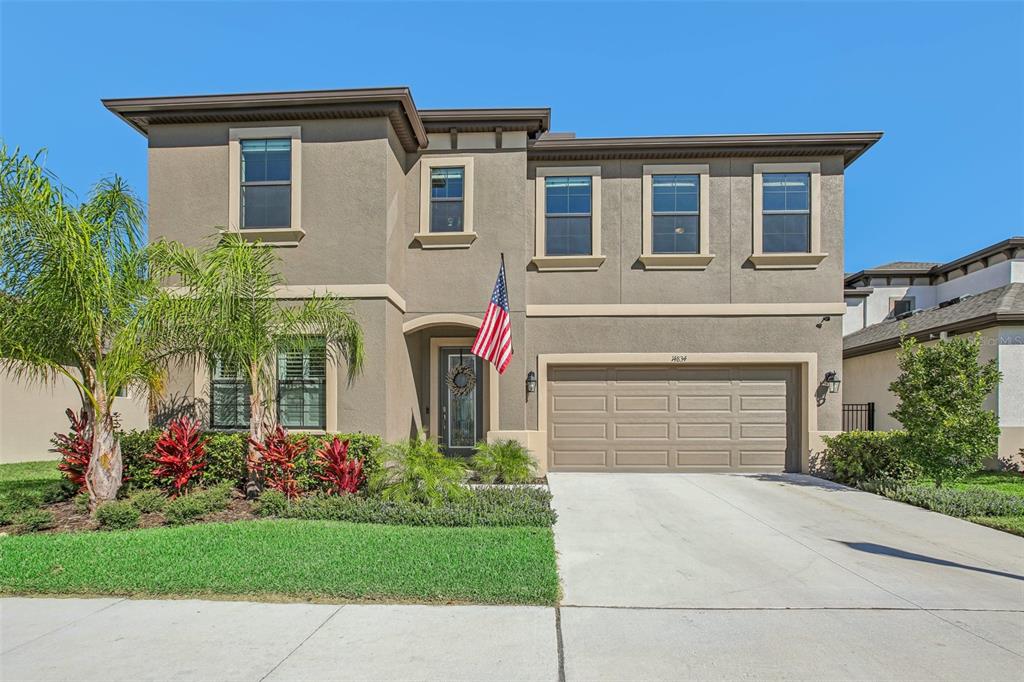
(943, 80)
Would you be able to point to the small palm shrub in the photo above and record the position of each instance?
(342, 474)
(75, 448)
(117, 515)
(503, 461)
(417, 471)
(35, 519)
(180, 455)
(148, 501)
(278, 458)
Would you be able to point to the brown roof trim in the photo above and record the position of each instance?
(1011, 244)
(960, 327)
(854, 293)
(396, 103)
(850, 145)
(532, 120)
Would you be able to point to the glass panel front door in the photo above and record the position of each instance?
(461, 401)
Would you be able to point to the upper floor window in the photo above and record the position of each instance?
(229, 397)
(786, 223)
(446, 202)
(265, 184)
(786, 218)
(447, 206)
(266, 191)
(567, 216)
(302, 386)
(675, 206)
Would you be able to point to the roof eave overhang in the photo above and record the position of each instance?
(960, 327)
(849, 145)
(395, 103)
(531, 120)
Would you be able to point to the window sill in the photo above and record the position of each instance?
(676, 261)
(567, 263)
(787, 261)
(271, 236)
(445, 240)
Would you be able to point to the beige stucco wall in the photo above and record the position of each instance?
(31, 413)
(361, 209)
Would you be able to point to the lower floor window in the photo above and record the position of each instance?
(302, 386)
(229, 397)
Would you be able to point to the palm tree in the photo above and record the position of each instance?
(234, 320)
(77, 301)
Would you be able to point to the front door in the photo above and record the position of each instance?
(462, 401)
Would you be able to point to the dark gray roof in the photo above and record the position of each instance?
(972, 312)
(906, 265)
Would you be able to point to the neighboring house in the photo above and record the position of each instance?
(31, 413)
(981, 292)
(667, 293)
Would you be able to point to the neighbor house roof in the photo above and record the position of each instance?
(1007, 248)
(412, 125)
(970, 313)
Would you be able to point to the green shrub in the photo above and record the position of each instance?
(857, 456)
(59, 491)
(81, 502)
(225, 458)
(503, 461)
(942, 389)
(513, 506)
(417, 471)
(197, 503)
(148, 501)
(117, 515)
(138, 468)
(272, 503)
(35, 519)
(958, 502)
(18, 501)
(226, 452)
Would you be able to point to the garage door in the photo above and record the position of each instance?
(670, 418)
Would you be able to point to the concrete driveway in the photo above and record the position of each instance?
(729, 576)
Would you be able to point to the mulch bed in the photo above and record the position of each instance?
(68, 518)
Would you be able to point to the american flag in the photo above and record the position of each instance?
(494, 340)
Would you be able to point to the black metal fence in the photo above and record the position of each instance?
(858, 416)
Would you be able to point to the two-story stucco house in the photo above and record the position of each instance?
(676, 302)
(982, 292)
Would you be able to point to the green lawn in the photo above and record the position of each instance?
(1010, 524)
(1003, 481)
(27, 476)
(290, 559)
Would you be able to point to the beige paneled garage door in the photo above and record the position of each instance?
(670, 418)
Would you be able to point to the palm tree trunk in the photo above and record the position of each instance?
(105, 471)
(257, 431)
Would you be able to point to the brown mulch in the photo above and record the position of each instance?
(68, 518)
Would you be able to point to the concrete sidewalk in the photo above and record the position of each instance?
(110, 639)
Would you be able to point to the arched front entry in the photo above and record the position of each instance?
(454, 415)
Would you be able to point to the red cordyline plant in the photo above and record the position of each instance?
(276, 459)
(180, 454)
(75, 448)
(342, 474)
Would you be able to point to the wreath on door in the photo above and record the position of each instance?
(461, 380)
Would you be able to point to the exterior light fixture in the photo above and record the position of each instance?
(833, 382)
(531, 382)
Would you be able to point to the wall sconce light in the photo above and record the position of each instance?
(531, 382)
(833, 382)
(827, 318)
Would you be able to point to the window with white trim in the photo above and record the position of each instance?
(568, 203)
(786, 203)
(229, 397)
(302, 385)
